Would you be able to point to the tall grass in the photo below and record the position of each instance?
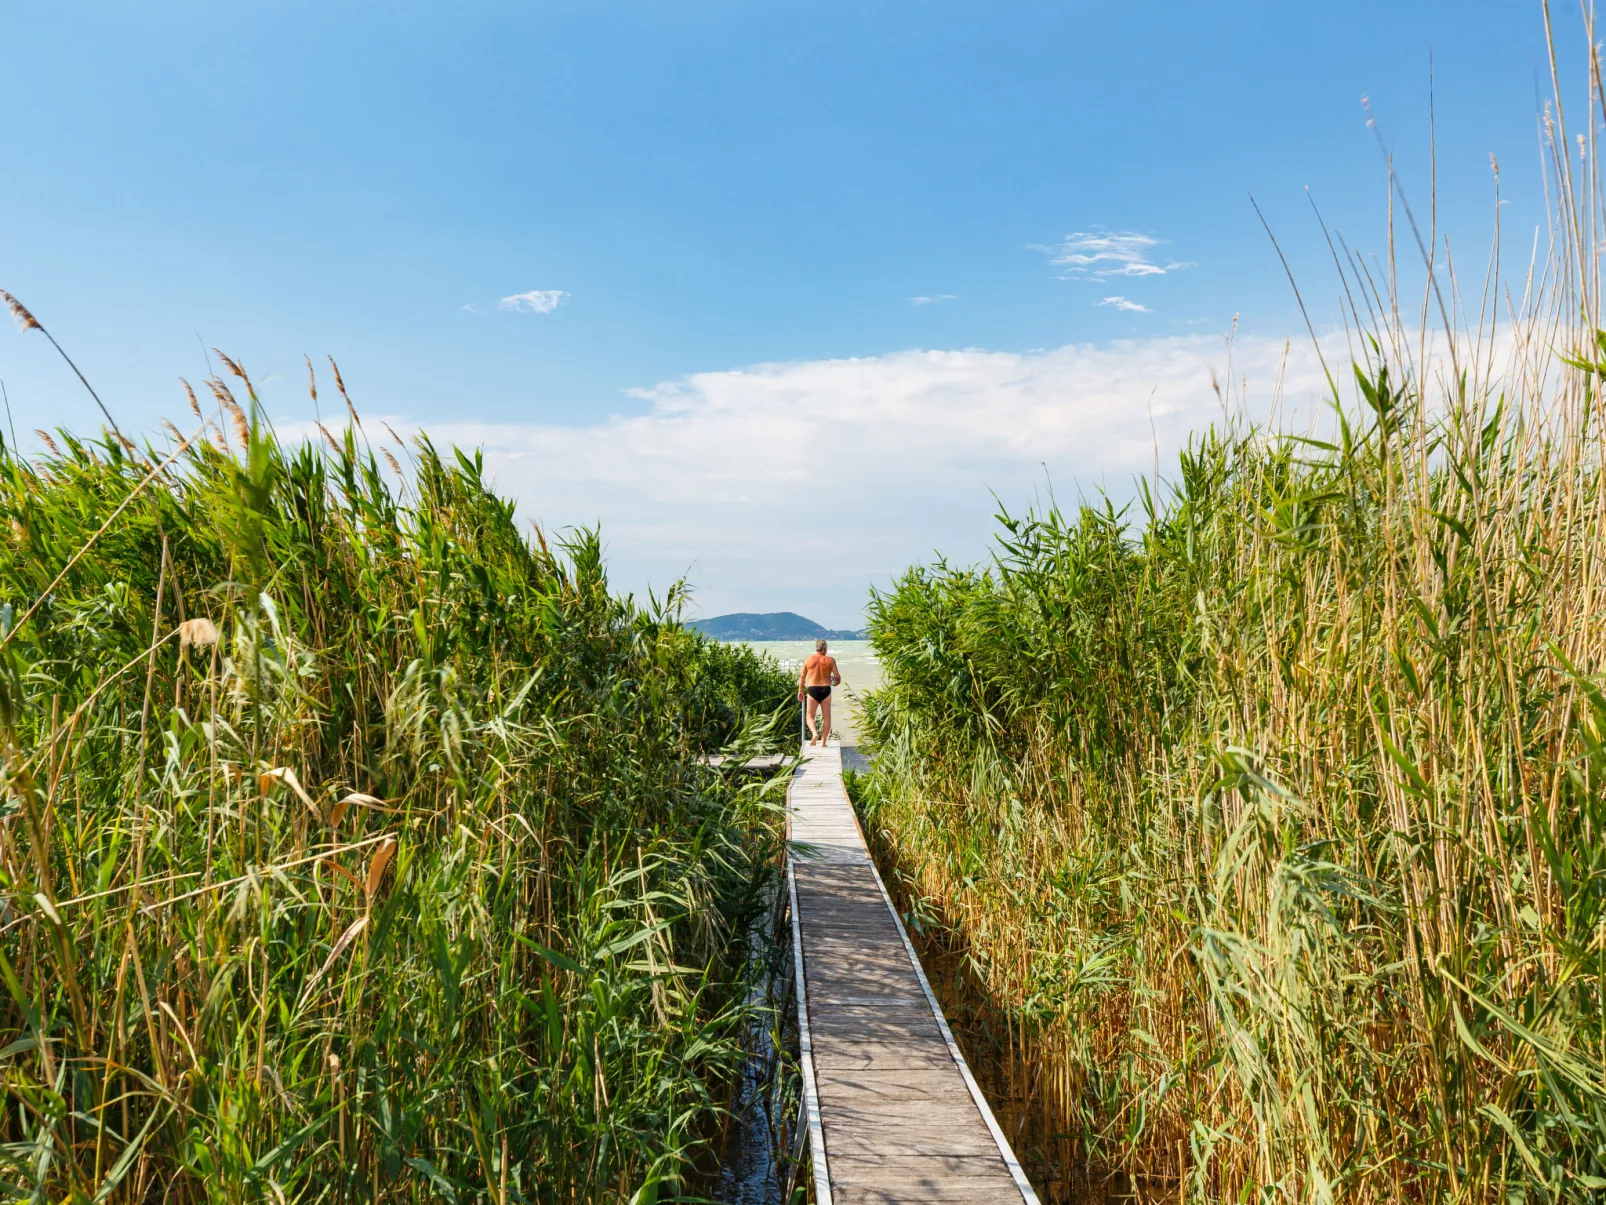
(1273, 828)
(354, 846)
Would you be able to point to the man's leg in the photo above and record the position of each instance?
(825, 706)
(811, 705)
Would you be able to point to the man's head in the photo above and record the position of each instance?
(819, 646)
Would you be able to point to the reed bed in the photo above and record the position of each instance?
(355, 846)
(1271, 828)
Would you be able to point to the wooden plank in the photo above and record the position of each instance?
(880, 1170)
(844, 917)
(863, 938)
(839, 957)
(866, 1135)
(895, 1117)
(842, 924)
(773, 761)
(909, 1023)
(859, 1088)
(937, 1192)
(836, 1054)
(874, 964)
(844, 981)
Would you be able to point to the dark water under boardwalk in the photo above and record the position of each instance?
(751, 1168)
(755, 1159)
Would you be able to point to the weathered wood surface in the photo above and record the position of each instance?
(769, 762)
(900, 1116)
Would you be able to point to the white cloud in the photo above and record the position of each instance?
(1121, 303)
(792, 486)
(933, 297)
(1102, 254)
(536, 301)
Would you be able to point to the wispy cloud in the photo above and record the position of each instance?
(1121, 303)
(1102, 254)
(933, 297)
(536, 301)
(868, 463)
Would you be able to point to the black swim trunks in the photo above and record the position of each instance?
(819, 693)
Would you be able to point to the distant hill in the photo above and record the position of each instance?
(777, 625)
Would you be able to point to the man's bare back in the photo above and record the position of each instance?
(814, 683)
(819, 669)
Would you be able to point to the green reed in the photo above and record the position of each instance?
(355, 846)
(1273, 828)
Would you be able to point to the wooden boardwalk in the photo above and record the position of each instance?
(893, 1112)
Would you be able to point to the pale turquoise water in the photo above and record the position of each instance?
(860, 669)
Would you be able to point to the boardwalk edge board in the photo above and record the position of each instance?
(805, 1044)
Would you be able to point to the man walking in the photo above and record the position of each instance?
(814, 685)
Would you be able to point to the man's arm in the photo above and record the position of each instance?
(802, 677)
(836, 673)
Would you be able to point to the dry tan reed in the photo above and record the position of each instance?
(24, 319)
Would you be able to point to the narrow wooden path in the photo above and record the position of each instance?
(893, 1111)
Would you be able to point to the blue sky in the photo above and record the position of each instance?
(684, 191)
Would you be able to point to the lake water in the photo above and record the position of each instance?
(856, 660)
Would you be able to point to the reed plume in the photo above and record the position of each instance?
(200, 632)
(24, 319)
(225, 398)
(340, 384)
(28, 322)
